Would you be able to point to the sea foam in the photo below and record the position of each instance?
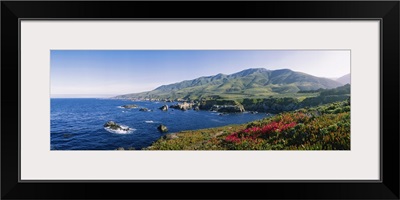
(129, 131)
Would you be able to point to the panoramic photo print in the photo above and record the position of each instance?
(200, 100)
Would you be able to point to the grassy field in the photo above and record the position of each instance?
(325, 127)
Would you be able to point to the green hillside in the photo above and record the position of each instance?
(249, 83)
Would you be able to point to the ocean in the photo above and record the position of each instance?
(77, 124)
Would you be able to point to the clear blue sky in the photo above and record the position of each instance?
(105, 73)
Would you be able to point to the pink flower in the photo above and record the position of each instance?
(253, 133)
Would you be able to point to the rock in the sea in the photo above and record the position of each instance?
(111, 124)
(196, 108)
(129, 106)
(164, 108)
(162, 128)
(114, 126)
(228, 108)
(144, 109)
(183, 106)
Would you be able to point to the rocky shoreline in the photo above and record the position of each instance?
(268, 105)
(228, 106)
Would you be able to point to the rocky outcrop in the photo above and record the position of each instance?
(114, 126)
(196, 108)
(164, 108)
(183, 106)
(170, 136)
(220, 105)
(228, 108)
(130, 106)
(208, 104)
(144, 109)
(162, 128)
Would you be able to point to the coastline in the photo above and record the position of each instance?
(326, 127)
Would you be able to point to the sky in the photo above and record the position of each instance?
(107, 73)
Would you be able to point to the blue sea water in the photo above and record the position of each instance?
(77, 124)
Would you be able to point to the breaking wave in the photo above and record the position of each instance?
(126, 130)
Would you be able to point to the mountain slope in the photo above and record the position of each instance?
(254, 82)
(344, 79)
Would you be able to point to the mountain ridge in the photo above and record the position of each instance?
(345, 79)
(252, 82)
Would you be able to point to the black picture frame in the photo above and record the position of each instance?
(13, 11)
